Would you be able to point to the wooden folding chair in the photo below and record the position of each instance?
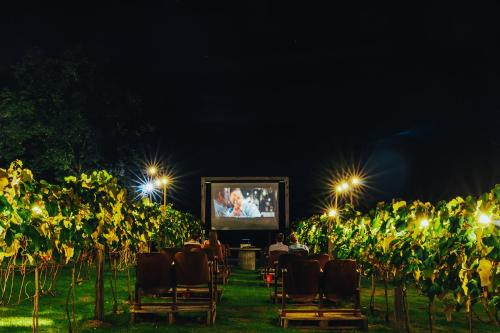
(301, 281)
(171, 250)
(154, 277)
(272, 263)
(193, 270)
(218, 272)
(340, 282)
(283, 262)
(190, 246)
(321, 258)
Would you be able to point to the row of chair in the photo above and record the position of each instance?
(223, 269)
(268, 273)
(315, 286)
(184, 281)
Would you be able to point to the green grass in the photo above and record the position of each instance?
(245, 307)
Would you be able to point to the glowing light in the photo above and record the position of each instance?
(332, 212)
(339, 189)
(152, 170)
(484, 219)
(37, 210)
(424, 223)
(355, 181)
(165, 180)
(345, 186)
(147, 188)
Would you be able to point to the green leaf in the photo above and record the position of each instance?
(4, 204)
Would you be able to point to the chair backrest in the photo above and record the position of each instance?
(321, 258)
(154, 271)
(340, 279)
(264, 251)
(300, 252)
(189, 246)
(211, 252)
(191, 268)
(302, 280)
(171, 250)
(228, 251)
(284, 261)
(219, 250)
(274, 256)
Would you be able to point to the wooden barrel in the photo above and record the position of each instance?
(247, 259)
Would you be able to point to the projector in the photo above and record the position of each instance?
(245, 242)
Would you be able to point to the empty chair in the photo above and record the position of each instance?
(264, 255)
(211, 253)
(341, 281)
(217, 255)
(202, 291)
(189, 246)
(224, 263)
(192, 269)
(285, 259)
(283, 262)
(301, 281)
(171, 250)
(273, 258)
(227, 251)
(300, 252)
(272, 263)
(321, 258)
(154, 276)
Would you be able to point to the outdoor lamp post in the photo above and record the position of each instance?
(163, 181)
(355, 182)
(339, 189)
(331, 215)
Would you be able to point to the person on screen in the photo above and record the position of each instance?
(278, 246)
(295, 246)
(242, 207)
(221, 205)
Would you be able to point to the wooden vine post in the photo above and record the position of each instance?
(399, 309)
(401, 313)
(35, 303)
(99, 285)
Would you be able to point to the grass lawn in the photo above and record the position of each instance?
(245, 307)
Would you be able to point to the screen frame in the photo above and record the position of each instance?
(206, 199)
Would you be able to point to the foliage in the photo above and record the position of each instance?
(46, 223)
(62, 116)
(450, 250)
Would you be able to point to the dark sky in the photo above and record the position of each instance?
(296, 88)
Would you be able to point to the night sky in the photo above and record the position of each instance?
(296, 88)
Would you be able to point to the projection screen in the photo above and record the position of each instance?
(245, 206)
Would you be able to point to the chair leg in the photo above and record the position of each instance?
(365, 325)
(213, 315)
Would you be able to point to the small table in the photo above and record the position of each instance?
(246, 257)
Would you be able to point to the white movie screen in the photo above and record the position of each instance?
(244, 206)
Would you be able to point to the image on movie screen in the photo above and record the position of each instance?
(245, 202)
